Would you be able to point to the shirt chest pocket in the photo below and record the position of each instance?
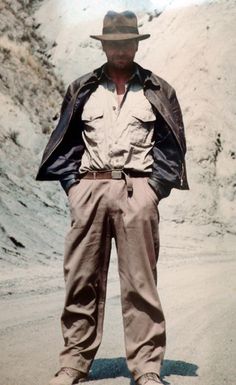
(93, 123)
(142, 127)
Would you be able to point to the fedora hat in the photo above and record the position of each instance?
(120, 26)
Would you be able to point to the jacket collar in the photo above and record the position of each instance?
(146, 77)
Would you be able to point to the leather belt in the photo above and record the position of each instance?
(114, 174)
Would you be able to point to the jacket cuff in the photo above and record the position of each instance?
(159, 188)
(68, 183)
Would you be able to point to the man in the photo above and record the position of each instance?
(117, 150)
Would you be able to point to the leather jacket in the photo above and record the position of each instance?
(62, 156)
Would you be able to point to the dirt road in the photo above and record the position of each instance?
(199, 302)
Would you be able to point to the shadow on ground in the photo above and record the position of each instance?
(178, 368)
(116, 367)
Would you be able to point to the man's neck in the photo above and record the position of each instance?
(120, 76)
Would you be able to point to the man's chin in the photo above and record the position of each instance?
(122, 64)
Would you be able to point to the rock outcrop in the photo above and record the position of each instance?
(30, 98)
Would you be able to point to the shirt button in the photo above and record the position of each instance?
(114, 108)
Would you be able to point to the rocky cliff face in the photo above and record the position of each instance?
(195, 52)
(193, 48)
(30, 96)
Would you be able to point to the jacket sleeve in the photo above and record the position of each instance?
(167, 155)
(66, 99)
(178, 118)
(70, 179)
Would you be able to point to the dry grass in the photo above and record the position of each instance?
(21, 52)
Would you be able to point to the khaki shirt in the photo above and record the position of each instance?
(118, 137)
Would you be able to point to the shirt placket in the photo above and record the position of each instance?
(116, 148)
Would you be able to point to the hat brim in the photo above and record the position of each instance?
(120, 36)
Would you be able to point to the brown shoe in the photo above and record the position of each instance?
(149, 379)
(67, 376)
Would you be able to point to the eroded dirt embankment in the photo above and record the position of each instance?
(30, 98)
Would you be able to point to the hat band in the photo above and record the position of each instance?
(120, 29)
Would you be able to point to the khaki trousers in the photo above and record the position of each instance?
(100, 210)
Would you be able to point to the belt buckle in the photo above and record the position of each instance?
(116, 174)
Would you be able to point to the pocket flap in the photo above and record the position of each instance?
(145, 115)
(91, 114)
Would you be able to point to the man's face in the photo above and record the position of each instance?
(120, 54)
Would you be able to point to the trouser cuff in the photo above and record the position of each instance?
(148, 368)
(78, 363)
